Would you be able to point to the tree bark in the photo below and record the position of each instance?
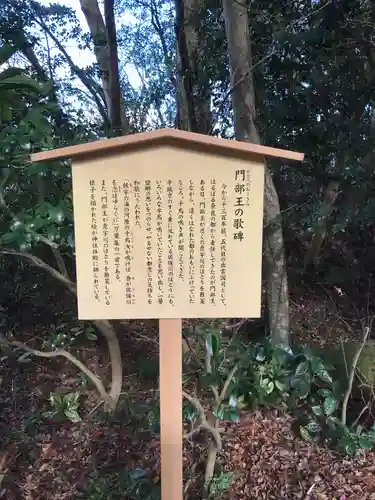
(105, 46)
(321, 228)
(243, 100)
(193, 96)
(114, 80)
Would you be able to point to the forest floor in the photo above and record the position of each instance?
(262, 455)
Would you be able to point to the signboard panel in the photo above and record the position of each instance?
(167, 232)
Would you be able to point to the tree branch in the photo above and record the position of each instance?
(36, 261)
(65, 354)
(103, 326)
(203, 422)
(355, 360)
(93, 87)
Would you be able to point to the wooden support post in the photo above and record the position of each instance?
(171, 430)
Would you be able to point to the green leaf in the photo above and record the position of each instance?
(56, 400)
(71, 399)
(212, 344)
(233, 401)
(321, 371)
(301, 386)
(325, 392)
(270, 387)
(317, 410)
(72, 415)
(56, 214)
(261, 354)
(219, 412)
(281, 386)
(313, 427)
(10, 72)
(302, 369)
(233, 416)
(6, 52)
(305, 434)
(90, 334)
(21, 81)
(366, 443)
(330, 405)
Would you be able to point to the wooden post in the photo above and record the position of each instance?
(170, 361)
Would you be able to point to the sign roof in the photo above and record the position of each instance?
(166, 136)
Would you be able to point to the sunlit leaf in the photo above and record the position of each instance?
(305, 434)
(330, 405)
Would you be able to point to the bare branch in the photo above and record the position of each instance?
(70, 357)
(203, 422)
(355, 360)
(43, 265)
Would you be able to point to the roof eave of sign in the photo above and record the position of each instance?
(165, 136)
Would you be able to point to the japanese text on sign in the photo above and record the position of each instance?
(167, 245)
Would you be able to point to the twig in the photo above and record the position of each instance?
(95, 408)
(364, 409)
(213, 449)
(344, 357)
(352, 374)
(235, 326)
(43, 265)
(227, 382)
(309, 491)
(203, 422)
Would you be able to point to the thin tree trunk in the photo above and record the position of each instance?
(320, 230)
(105, 47)
(243, 100)
(193, 96)
(115, 101)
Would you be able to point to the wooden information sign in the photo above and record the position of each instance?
(168, 225)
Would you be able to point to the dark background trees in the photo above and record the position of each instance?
(296, 75)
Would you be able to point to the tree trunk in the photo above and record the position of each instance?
(320, 230)
(193, 96)
(105, 47)
(109, 333)
(115, 101)
(243, 101)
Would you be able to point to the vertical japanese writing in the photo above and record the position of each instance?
(128, 244)
(94, 239)
(191, 243)
(239, 190)
(223, 243)
(137, 206)
(213, 243)
(148, 219)
(159, 242)
(248, 185)
(170, 244)
(105, 219)
(202, 224)
(116, 229)
(181, 224)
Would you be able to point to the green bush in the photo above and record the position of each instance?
(297, 380)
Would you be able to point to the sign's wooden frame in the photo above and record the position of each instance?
(170, 330)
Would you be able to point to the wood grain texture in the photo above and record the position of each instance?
(171, 430)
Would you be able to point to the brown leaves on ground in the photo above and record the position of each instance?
(267, 459)
(270, 462)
